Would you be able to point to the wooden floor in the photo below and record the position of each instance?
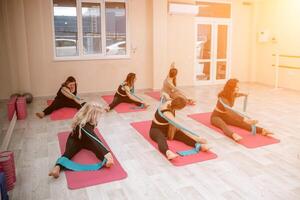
(271, 172)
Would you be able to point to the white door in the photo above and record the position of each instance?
(213, 51)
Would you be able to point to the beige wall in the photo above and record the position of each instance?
(281, 19)
(32, 51)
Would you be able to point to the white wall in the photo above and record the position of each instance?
(280, 18)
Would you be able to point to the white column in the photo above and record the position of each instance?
(160, 65)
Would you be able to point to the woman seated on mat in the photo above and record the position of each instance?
(125, 94)
(84, 137)
(65, 97)
(161, 129)
(170, 86)
(222, 116)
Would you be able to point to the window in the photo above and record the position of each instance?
(90, 29)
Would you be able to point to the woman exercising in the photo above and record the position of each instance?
(65, 97)
(82, 135)
(170, 86)
(124, 94)
(222, 116)
(161, 129)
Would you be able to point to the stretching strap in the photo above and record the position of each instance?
(191, 151)
(253, 127)
(186, 152)
(71, 165)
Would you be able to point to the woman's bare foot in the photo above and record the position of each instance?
(251, 121)
(201, 140)
(266, 132)
(55, 171)
(205, 147)
(236, 137)
(40, 115)
(171, 155)
(110, 160)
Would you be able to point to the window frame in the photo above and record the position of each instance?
(103, 55)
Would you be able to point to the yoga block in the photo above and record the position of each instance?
(21, 108)
(11, 107)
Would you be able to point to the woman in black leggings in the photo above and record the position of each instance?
(161, 129)
(123, 94)
(222, 117)
(84, 122)
(65, 97)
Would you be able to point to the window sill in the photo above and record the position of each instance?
(82, 58)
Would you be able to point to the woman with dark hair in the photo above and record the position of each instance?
(125, 94)
(161, 129)
(170, 86)
(65, 97)
(222, 116)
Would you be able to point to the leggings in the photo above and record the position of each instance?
(120, 99)
(74, 145)
(160, 137)
(222, 120)
(61, 103)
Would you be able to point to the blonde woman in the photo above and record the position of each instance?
(170, 86)
(84, 122)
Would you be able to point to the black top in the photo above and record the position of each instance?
(88, 127)
(60, 95)
(160, 119)
(121, 90)
(220, 105)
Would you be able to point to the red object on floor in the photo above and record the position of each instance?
(11, 107)
(249, 140)
(63, 113)
(144, 127)
(154, 95)
(8, 167)
(83, 179)
(21, 107)
(123, 107)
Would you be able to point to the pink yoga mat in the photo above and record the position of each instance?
(123, 107)
(154, 95)
(63, 113)
(144, 127)
(249, 140)
(83, 179)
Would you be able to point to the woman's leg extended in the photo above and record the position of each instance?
(238, 121)
(70, 103)
(128, 100)
(55, 105)
(220, 123)
(160, 138)
(181, 136)
(97, 148)
(116, 101)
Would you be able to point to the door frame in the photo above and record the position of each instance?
(214, 22)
